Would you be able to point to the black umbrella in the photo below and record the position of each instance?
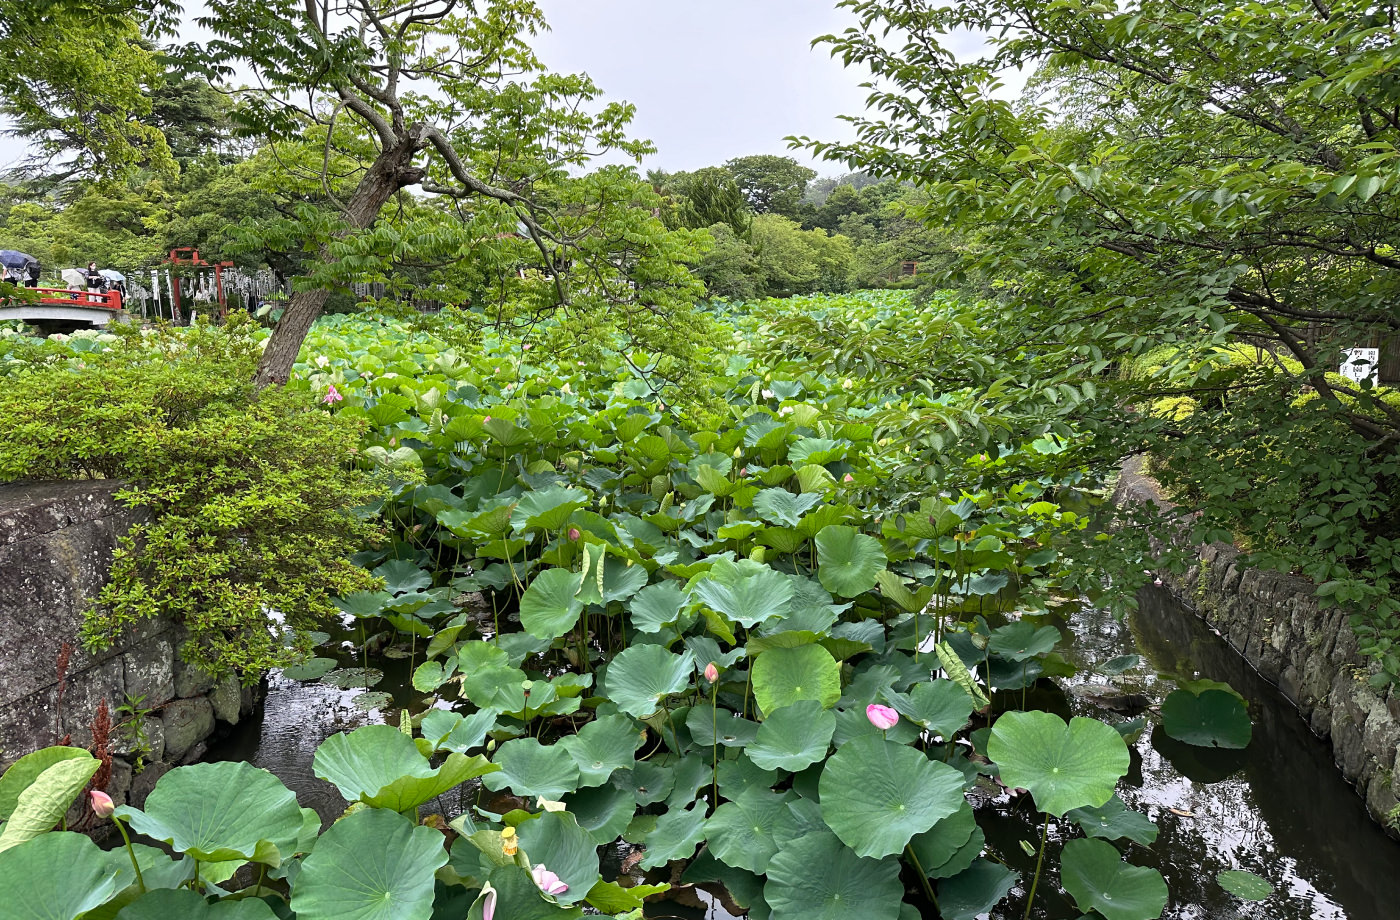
(13, 258)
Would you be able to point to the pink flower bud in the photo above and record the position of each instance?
(848, 478)
(711, 672)
(574, 533)
(549, 882)
(485, 420)
(882, 717)
(488, 903)
(332, 396)
(102, 804)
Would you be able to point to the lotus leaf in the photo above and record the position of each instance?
(43, 803)
(747, 592)
(216, 812)
(382, 767)
(549, 608)
(817, 878)
(23, 772)
(1245, 885)
(848, 561)
(935, 847)
(1098, 879)
(779, 506)
(603, 746)
(1212, 719)
(1065, 766)
(675, 836)
(793, 738)
(876, 795)
(1021, 640)
(642, 676)
(720, 726)
(1114, 821)
(603, 811)
(740, 833)
(529, 768)
(611, 898)
(370, 865)
(974, 891)
(782, 676)
(556, 841)
(54, 877)
(940, 707)
(168, 903)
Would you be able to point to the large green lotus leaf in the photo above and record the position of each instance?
(556, 841)
(1021, 640)
(370, 865)
(974, 891)
(794, 737)
(43, 803)
(940, 706)
(24, 771)
(747, 592)
(735, 776)
(848, 561)
(817, 878)
(529, 768)
(648, 782)
(962, 858)
(782, 676)
(449, 731)
(603, 746)
(169, 903)
(54, 877)
(381, 766)
(658, 606)
(641, 676)
(620, 582)
(876, 795)
(1065, 766)
(689, 774)
(550, 607)
(710, 726)
(675, 836)
(741, 833)
(1098, 879)
(935, 847)
(1114, 821)
(502, 689)
(157, 869)
(612, 899)
(519, 898)
(547, 510)
(603, 811)
(217, 812)
(779, 506)
(1244, 884)
(1213, 719)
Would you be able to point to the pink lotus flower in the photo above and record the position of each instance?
(488, 902)
(549, 882)
(332, 396)
(574, 533)
(711, 672)
(882, 717)
(102, 804)
(485, 420)
(849, 478)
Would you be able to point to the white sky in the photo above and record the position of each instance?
(711, 79)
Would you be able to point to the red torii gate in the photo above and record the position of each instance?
(193, 260)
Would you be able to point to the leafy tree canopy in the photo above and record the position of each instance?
(771, 184)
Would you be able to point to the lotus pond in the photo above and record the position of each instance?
(737, 637)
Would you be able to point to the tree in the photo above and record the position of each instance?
(426, 94)
(707, 197)
(771, 184)
(729, 269)
(1206, 192)
(796, 261)
(74, 79)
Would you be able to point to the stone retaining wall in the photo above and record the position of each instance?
(56, 544)
(1311, 654)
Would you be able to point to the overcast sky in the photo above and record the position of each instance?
(711, 79)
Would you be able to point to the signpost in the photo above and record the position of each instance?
(1361, 364)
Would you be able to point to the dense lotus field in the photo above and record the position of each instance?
(736, 633)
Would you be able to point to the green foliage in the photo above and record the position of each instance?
(771, 184)
(246, 497)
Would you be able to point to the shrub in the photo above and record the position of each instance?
(248, 494)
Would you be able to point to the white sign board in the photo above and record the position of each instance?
(1361, 364)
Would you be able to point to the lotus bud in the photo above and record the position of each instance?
(574, 533)
(488, 903)
(882, 717)
(738, 453)
(332, 396)
(848, 478)
(743, 471)
(102, 804)
(711, 672)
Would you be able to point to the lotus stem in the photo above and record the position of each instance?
(1039, 860)
(923, 877)
(126, 838)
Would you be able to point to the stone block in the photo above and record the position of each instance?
(227, 700)
(142, 783)
(150, 671)
(190, 681)
(186, 722)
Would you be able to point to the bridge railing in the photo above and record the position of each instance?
(112, 300)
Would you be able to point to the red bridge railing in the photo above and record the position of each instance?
(112, 300)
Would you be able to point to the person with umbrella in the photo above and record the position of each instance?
(95, 282)
(19, 268)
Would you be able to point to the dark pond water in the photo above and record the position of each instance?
(1280, 808)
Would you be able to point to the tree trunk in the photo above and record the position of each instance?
(392, 170)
